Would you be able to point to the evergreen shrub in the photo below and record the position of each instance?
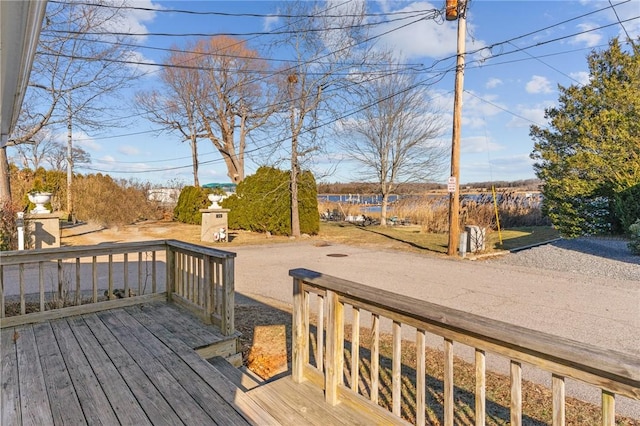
(191, 200)
(634, 233)
(627, 207)
(262, 203)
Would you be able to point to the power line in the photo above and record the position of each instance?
(232, 34)
(231, 14)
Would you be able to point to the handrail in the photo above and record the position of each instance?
(613, 372)
(200, 278)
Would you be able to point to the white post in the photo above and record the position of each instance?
(20, 225)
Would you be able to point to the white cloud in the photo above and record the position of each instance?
(130, 20)
(423, 38)
(582, 77)
(270, 23)
(128, 150)
(538, 84)
(589, 39)
(529, 115)
(492, 83)
(79, 139)
(141, 66)
(477, 144)
(107, 159)
(485, 105)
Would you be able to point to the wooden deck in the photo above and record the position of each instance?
(139, 365)
(134, 365)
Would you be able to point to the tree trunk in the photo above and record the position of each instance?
(194, 159)
(383, 209)
(69, 165)
(295, 213)
(5, 176)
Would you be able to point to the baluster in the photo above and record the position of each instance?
(516, 393)
(94, 278)
(78, 300)
(557, 386)
(153, 272)
(608, 408)
(355, 349)
(375, 356)
(23, 307)
(448, 382)
(110, 277)
(207, 290)
(481, 384)
(320, 335)
(60, 281)
(139, 273)
(421, 377)
(335, 347)
(396, 369)
(126, 274)
(41, 285)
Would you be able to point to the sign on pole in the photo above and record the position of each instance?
(451, 185)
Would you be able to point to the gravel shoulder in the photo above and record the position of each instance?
(592, 256)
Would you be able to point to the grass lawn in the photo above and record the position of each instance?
(411, 238)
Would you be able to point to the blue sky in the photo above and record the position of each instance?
(536, 46)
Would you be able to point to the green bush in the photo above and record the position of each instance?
(262, 203)
(191, 200)
(634, 233)
(627, 207)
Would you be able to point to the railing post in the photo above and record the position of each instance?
(335, 344)
(299, 333)
(228, 291)
(171, 272)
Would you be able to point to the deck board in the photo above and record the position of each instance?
(188, 328)
(34, 403)
(128, 409)
(10, 405)
(207, 398)
(65, 406)
(236, 399)
(96, 407)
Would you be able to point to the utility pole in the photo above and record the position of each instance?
(456, 10)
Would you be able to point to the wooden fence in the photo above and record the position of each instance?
(39, 285)
(338, 300)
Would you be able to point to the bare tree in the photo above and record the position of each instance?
(393, 137)
(173, 106)
(233, 96)
(78, 65)
(323, 44)
(57, 156)
(32, 154)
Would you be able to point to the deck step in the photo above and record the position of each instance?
(243, 380)
(303, 404)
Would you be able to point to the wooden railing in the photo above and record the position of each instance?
(324, 363)
(38, 285)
